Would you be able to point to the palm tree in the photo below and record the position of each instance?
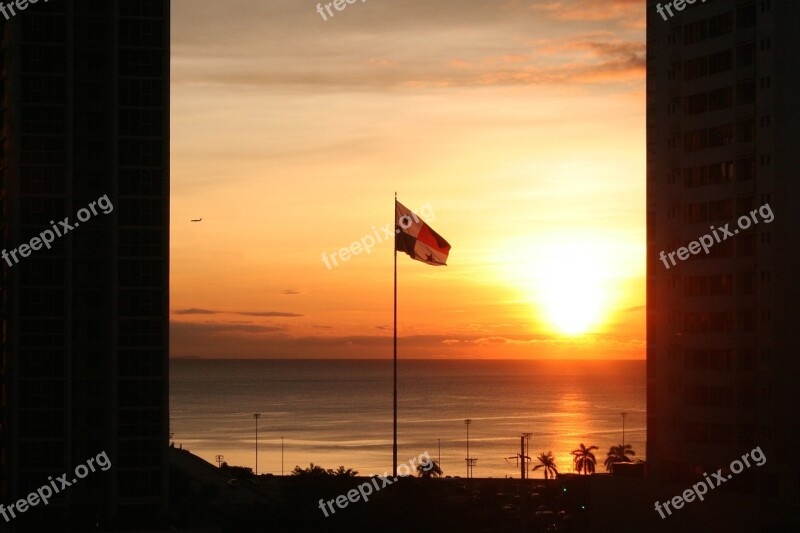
(312, 470)
(548, 463)
(344, 472)
(619, 454)
(584, 459)
(429, 469)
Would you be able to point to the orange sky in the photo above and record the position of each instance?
(520, 123)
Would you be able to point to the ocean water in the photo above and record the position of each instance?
(339, 412)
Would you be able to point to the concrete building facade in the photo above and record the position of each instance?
(722, 357)
(85, 113)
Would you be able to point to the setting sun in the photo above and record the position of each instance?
(571, 291)
(572, 286)
(574, 281)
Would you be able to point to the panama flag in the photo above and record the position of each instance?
(417, 239)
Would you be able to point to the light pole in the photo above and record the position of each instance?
(527, 457)
(471, 465)
(256, 416)
(281, 456)
(623, 431)
(468, 421)
(440, 452)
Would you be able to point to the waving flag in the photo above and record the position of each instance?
(417, 239)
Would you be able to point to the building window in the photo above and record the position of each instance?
(746, 246)
(695, 140)
(695, 104)
(721, 173)
(746, 319)
(746, 93)
(720, 136)
(745, 169)
(696, 322)
(695, 213)
(695, 68)
(746, 54)
(695, 177)
(695, 32)
(745, 203)
(720, 25)
(746, 130)
(746, 17)
(720, 62)
(745, 282)
(720, 284)
(695, 286)
(695, 395)
(720, 210)
(722, 98)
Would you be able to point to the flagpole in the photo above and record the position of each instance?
(394, 447)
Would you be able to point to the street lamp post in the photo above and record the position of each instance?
(527, 458)
(471, 466)
(281, 456)
(256, 416)
(468, 421)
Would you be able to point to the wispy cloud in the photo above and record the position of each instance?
(586, 340)
(195, 311)
(267, 313)
(198, 311)
(215, 328)
(630, 13)
(472, 45)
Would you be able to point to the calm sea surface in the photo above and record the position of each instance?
(340, 412)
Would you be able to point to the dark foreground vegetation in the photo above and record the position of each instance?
(292, 503)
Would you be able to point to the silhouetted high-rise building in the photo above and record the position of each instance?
(723, 79)
(85, 116)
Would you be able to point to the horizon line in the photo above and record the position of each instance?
(389, 359)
